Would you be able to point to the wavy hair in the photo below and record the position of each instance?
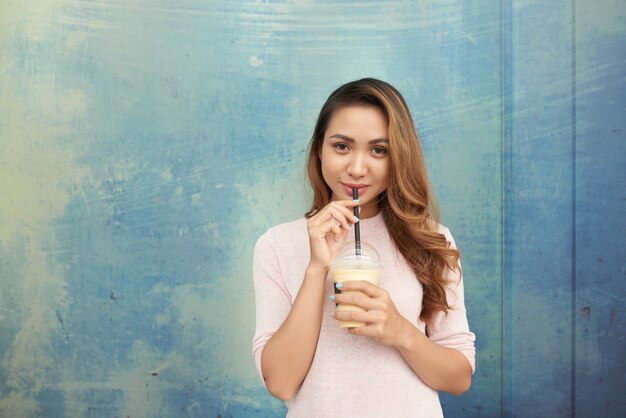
(408, 205)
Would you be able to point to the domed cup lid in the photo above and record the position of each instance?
(348, 257)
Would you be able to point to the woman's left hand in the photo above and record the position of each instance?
(382, 320)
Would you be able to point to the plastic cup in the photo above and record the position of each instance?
(349, 265)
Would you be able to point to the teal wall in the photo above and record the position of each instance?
(145, 145)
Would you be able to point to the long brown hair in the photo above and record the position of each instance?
(408, 206)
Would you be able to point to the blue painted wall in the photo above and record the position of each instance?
(145, 145)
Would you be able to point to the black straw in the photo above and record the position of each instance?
(357, 228)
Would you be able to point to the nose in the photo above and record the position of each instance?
(357, 167)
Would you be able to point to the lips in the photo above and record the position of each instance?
(348, 188)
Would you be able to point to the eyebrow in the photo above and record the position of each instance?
(347, 138)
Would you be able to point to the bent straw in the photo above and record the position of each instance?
(357, 228)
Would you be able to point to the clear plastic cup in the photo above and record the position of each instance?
(350, 265)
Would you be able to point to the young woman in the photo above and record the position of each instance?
(416, 340)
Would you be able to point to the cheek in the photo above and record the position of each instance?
(382, 172)
(327, 165)
(329, 161)
(325, 174)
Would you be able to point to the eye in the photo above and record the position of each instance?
(379, 150)
(341, 147)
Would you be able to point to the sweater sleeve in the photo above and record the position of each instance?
(272, 298)
(451, 329)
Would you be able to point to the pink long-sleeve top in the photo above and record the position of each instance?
(354, 376)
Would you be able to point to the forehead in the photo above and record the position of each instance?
(364, 119)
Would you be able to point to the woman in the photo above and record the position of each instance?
(416, 340)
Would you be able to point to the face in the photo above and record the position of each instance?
(355, 154)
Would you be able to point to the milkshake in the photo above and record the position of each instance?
(355, 263)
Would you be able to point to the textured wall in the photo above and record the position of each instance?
(565, 232)
(144, 145)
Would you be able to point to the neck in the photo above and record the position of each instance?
(367, 211)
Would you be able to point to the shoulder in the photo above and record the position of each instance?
(284, 247)
(286, 230)
(443, 230)
(437, 227)
(285, 234)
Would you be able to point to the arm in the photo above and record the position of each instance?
(443, 357)
(287, 356)
(287, 334)
(440, 367)
(451, 331)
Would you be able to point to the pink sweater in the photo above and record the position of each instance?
(354, 376)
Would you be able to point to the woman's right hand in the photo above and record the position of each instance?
(328, 230)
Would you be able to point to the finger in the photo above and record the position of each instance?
(358, 299)
(335, 227)
(329, 226)
(340, 237)
(340, 217)
(347, 211)
(366, 331)
(358, 316)
(343, 206)
(364, 286)
(333, 212)
(337, 230)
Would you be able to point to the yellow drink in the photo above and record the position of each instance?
(342, 274)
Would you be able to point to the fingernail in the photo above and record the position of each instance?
(356, 219)
(355, 200)
(332, 297)
(339, 285)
